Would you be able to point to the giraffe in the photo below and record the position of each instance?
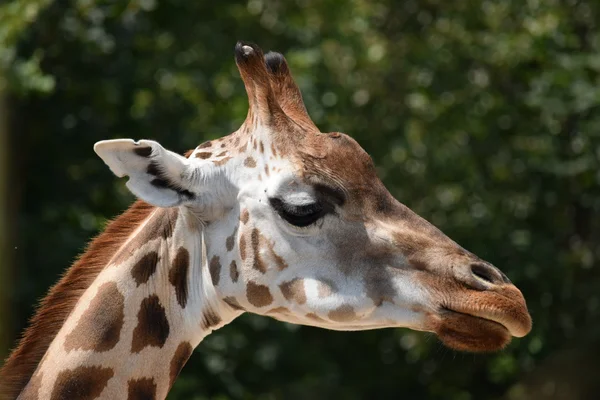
(276, 219)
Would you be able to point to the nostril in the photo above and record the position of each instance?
(485, 273)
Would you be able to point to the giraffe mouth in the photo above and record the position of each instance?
(466, 332)
(515, 320)
(482, 321)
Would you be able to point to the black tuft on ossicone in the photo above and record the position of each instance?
(276, 63)
(244, 51)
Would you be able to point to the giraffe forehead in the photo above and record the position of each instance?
(339, 159)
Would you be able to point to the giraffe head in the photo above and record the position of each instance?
(297, 225)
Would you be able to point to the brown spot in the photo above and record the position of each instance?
(81, 383)
(178, 275)
(144, 268)
(222, 161)
(236, 141)
(99, 328)
(233, 271)
(221, 154)
(273, 150)
(230, 241)
(325, 288)
(250, 162)
(222, 145)
(258, 295)
(31, 391)
(262, 147)
(344, 313)
(152, 328)
(215, 270)
(258, 263)
(204, 155)
(209, 319)
(141, 389)
(245, 216)
(233, 303)
(278, 310)
(242, 247)
(182, 354)
(205, 145)
(267, 170)
(188, 153)
(315, 317)
(279, 261)
(294, 290)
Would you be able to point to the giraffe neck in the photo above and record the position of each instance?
(134, 328)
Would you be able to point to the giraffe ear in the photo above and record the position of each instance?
(156, 175)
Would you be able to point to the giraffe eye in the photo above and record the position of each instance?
(299, 215)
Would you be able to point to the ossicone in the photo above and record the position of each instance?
(273, 96)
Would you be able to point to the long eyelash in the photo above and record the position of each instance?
(299, 216)
(305, 209)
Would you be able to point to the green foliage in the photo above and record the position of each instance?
(482, 116)
(23, 75)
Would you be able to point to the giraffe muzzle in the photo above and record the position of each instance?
(482, 320)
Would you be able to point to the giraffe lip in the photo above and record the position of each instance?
(467, 332)
(472, 315)
(517, 327)
(504, 306)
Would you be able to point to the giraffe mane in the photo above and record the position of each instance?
(61, 299)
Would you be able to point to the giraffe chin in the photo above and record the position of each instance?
(465, 332)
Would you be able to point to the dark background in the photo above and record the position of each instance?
(482, 116)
